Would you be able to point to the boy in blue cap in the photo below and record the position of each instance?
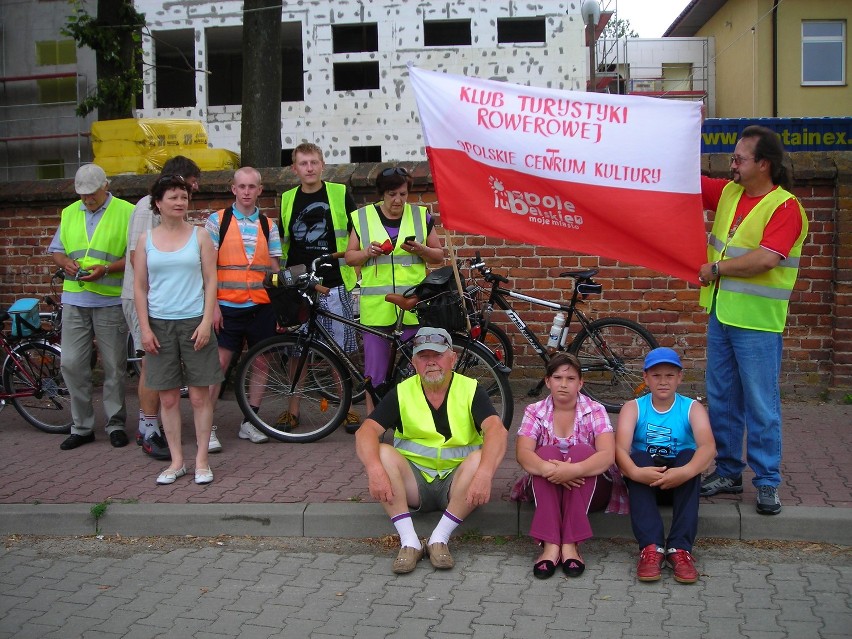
(663, 443)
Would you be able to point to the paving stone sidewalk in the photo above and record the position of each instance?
(321, 589)
(816, 465)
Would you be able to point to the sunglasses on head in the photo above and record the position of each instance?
(171, 178)
(396, 170)
(419, 340)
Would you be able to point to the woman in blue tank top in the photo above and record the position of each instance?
(175, 296)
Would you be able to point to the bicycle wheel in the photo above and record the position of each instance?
(134, 360)
(498, 342)
(612, 352)
(357, 359)
(289, 373)
(37, 374)
(476, 361)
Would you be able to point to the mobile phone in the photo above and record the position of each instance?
(410, 238)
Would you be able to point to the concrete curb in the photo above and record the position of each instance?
(356, 520)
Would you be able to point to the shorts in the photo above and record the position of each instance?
(163, 370)
(434, 495)
(129, 308)
(252, 324)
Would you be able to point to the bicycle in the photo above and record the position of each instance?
(611, 350)
(32, 379)
(309, 364)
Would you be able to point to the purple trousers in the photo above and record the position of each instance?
(561, 515)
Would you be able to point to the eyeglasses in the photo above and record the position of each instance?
(396, 170)
(432, 338)
(738, 159)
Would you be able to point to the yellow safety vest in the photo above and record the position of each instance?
(420, 442)
(339, 218)
(394, 273)
(108, 244)
(759, 302)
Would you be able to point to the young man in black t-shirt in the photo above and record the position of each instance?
(314, 222)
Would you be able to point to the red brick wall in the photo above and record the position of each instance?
(817, 342)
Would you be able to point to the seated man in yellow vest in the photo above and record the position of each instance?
(90, 244)
(448, 442)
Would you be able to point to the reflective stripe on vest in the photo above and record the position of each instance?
(241, 282)
(108, 244)
(339, 219)
(383, 275)
(759, 302)
(419, 441)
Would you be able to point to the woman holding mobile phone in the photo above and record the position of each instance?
(392, 241)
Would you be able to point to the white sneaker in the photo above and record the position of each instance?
(215, 445)
(248, 431)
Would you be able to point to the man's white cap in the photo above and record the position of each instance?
(89, 178)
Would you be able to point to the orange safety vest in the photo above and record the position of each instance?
(239, 280)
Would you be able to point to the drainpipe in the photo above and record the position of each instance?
(775, 59)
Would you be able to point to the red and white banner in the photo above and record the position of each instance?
(610, 175)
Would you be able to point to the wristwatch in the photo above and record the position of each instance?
(714, 269)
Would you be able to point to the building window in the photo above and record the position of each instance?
(520, 30)
(53, 52)
(823, 52)
(354, 38)
(57, 90)
(292, 60)
(175, 67)
(225, 64)
(365, 154)
(446, 33)
(50, 169)
(356, 76)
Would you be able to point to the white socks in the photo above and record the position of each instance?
(441, 535)
(405, 527)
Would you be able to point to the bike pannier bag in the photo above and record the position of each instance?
(440, 304)
(25, 319)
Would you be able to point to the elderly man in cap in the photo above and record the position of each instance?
(448, 442)
(90, 245)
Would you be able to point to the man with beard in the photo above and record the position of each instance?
(448, 442)
(753, 261)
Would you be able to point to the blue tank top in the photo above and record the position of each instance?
(663, 434)
(175, 283)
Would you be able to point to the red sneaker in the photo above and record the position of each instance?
(683, 565)
(651, 560)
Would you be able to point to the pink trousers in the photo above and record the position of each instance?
(561, 514)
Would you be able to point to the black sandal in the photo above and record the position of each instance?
(573, 567)
(544, 569)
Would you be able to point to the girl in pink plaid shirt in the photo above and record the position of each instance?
(567, 447)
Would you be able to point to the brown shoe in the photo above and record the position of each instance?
(407, 559)
(439, 555)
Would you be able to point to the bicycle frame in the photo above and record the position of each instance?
(10, 354)
(357, 376)
(498, 298)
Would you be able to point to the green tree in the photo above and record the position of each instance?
(260, 133)
(115, 37)
(618, 28)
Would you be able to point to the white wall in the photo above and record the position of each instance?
(386, 116)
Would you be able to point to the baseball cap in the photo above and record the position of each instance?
(432, 339)
(662, 355)
(89, 178)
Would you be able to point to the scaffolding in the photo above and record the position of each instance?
(30, 116)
